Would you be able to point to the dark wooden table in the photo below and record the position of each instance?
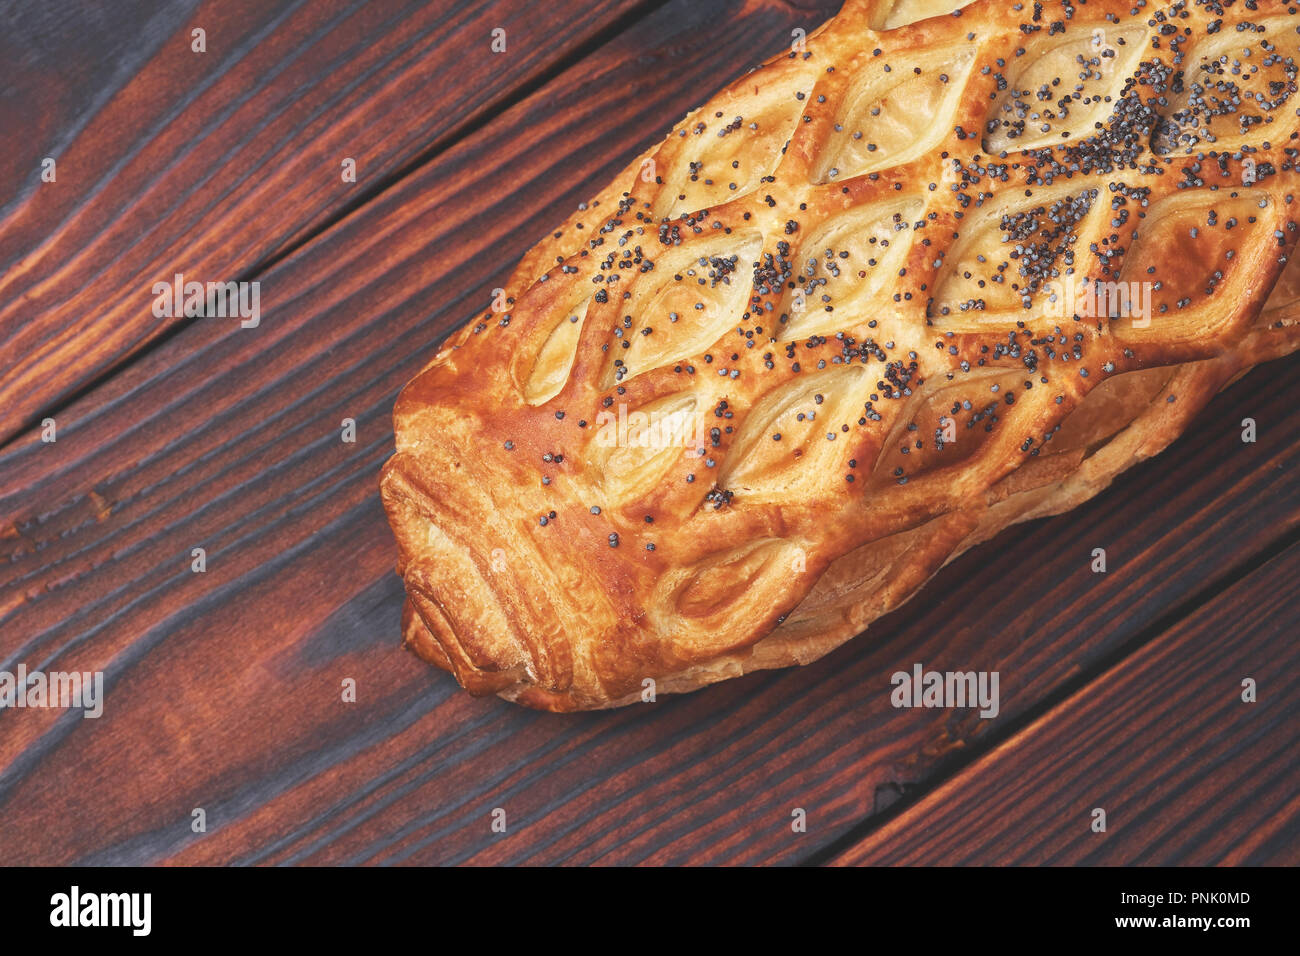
(1119, 690)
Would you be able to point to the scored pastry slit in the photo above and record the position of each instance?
(936, 268)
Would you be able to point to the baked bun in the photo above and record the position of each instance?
(938, 271)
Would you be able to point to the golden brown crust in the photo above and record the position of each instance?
(872, 248)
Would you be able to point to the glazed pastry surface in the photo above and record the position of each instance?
(943, 268)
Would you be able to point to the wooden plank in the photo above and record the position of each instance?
(230, 441)
(412, 773)
(208, 164)
(63, 65)
(106, 516)
(1186, 771)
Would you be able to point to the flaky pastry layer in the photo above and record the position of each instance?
(931, 272)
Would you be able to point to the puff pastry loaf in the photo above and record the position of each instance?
(943, 267)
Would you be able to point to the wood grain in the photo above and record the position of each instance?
(209, 164)
(119, 464)
(63, 60)
(1186, 771)
(225, 686)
